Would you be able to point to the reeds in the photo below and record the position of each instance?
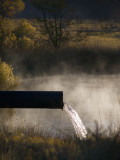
(27, 144)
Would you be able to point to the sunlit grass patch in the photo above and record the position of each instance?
(97, 41)
(104, 42)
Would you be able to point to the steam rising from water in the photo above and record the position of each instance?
(95, 98)
(76, 121)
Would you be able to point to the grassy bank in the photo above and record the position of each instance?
(28, 145)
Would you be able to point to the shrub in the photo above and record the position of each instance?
(7, 80)
(6, 31)
(10, 41)
(25, 43)
(6, 26)
(25, 29)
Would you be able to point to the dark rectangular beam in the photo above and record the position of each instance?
(31, 99)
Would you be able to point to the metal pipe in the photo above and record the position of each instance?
(31, 99)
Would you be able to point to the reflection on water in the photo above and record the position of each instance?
(93, 97)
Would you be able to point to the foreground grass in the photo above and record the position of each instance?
(35, 146)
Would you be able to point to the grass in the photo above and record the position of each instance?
(102, 42)
(94, 24)
(25, 145)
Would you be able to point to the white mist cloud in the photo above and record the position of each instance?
(93, 97)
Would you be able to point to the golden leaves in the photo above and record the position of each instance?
(7, 80)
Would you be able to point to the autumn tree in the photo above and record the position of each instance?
(53, 13)
(10, 7)
(7, 79)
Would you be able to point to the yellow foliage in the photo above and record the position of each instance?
(25, 29)
(10, 41)
(34, 140)
(17, 138)
(25, 43)
(7, 80)
(6, 26)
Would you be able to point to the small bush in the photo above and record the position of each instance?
(25, 29)
(7, 80)
(10, 41)
(25, 43)
(6, 32)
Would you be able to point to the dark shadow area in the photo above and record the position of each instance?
(67, 60)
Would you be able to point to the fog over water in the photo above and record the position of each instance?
(93, 97)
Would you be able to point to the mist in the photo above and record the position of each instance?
(95, 98)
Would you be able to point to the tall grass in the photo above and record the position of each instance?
(27, 144)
